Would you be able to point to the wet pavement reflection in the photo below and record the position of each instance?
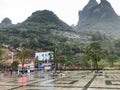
(22, 80)
(68, 80)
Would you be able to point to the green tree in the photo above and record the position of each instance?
(56, 51)
(61, 60)
(81, 60)
(111, 59)
(68, 63)
(95, 53)
(98, 36)
(23, 55)
(14, 65)
(38, 62)
(1, 52)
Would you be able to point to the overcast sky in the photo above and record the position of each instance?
(66, 10)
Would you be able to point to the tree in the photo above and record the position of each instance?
(95, 53)
(111, 59)
(62, 59)
(1, 52)
(68, 64)
(38, 62)
(98, 36)
(23, 55)
(15, 64)
(81, 60)
(56, 51)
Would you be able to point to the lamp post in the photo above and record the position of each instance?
(12, 56)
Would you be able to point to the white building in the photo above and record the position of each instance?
(44, 56)
(27, 68)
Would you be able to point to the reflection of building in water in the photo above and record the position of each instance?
(22, 80)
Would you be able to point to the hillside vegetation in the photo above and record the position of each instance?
(43, 31)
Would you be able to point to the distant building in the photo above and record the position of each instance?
(44, 56)
(47, 58)
(27, 68)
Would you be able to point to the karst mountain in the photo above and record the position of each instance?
(98, 16)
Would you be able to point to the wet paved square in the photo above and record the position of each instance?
(74, 80)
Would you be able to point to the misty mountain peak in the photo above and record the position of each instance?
(6, 21)
(47, 18)
(104, 10)
(90, 4)
(86, 12)
(105, 3)
(94, 13)
(42, 16)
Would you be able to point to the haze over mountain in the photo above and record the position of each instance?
(44, 29)
(40, 30)
(47, 18)
(6, 21)
(100, 17)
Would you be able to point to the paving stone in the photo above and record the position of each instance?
(74, 80)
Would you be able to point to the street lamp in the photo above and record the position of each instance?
(12, 53)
